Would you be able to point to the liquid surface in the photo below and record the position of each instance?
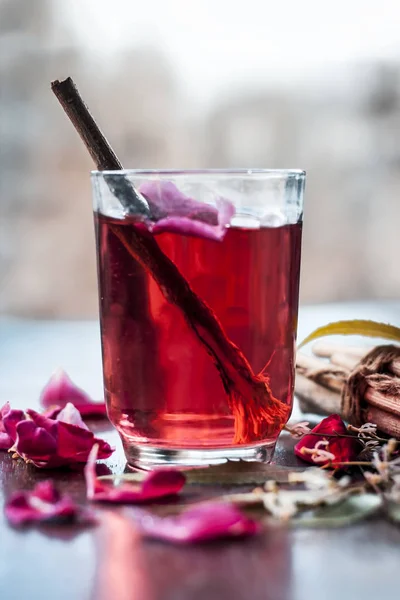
(162, 387)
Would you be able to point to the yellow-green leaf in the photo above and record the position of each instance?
(355, 327)
(228, 473)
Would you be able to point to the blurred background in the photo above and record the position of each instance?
(192, 84)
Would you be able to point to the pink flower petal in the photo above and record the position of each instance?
(34, 443)
(8, 422)
(158, 484)
(51, 443)
(70, 414)
(43, 503)
(327, 435)
(175, 212)
(211, 521)
(166, 199)
(5, 441)
(75, 443)
(60, 390)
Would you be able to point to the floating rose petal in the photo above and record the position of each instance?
(56, 442)
(157, 484)
(44, 503)
(60, 390)
(335, 448)
(8, 422)
(211, 521)
(175, 212)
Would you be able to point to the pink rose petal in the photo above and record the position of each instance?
(44, 503)
(5, 440)
(327, 436)
(158, 484)
(56, 442)
(175, 212)
(211, 521)
(60, 390)
(8, 422)
(70, 414)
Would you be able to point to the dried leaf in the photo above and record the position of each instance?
(238, 473)
(351, 510)
(355, 327)
(229, 473)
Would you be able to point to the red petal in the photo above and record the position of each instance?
(158, 484)
(43, 503)
(8, 422)
(344, 449)
(49, 443)
(211, 521)
(60, 390)
(5, 441)
(33, 442)
(70, 414)
(50, 425)
(75, 443)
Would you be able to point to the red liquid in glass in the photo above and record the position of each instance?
(161, 386)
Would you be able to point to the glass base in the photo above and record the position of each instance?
(149, 457)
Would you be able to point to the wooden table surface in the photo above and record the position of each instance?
(109, 562)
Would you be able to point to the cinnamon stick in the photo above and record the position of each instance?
(257, 413)
(316, 398)
(320, 371)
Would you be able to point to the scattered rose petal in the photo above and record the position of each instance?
(44, 503)
(8, 423)
(5, 440)
(211, 521)
(332, 448)
(60, 390)
(157, 484)
(56, 442)
(175, 212)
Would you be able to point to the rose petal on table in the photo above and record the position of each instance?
(44, 503)
(9, 418)
(34, 442)
(61, 390)
(75, 443)
(51, 443)
(160, 483)
(70, 414)
(211, 521)
(175, 212)
(5, 441)
(343, 449)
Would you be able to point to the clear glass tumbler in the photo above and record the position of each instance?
(198, 279)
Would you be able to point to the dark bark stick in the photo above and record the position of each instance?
(257, 413)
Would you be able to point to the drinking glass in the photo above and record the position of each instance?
(198, 284)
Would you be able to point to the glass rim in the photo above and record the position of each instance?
(250, 173)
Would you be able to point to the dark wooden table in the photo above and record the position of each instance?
(109, 562)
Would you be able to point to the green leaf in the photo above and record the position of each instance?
(355, 327)
(351, 510)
